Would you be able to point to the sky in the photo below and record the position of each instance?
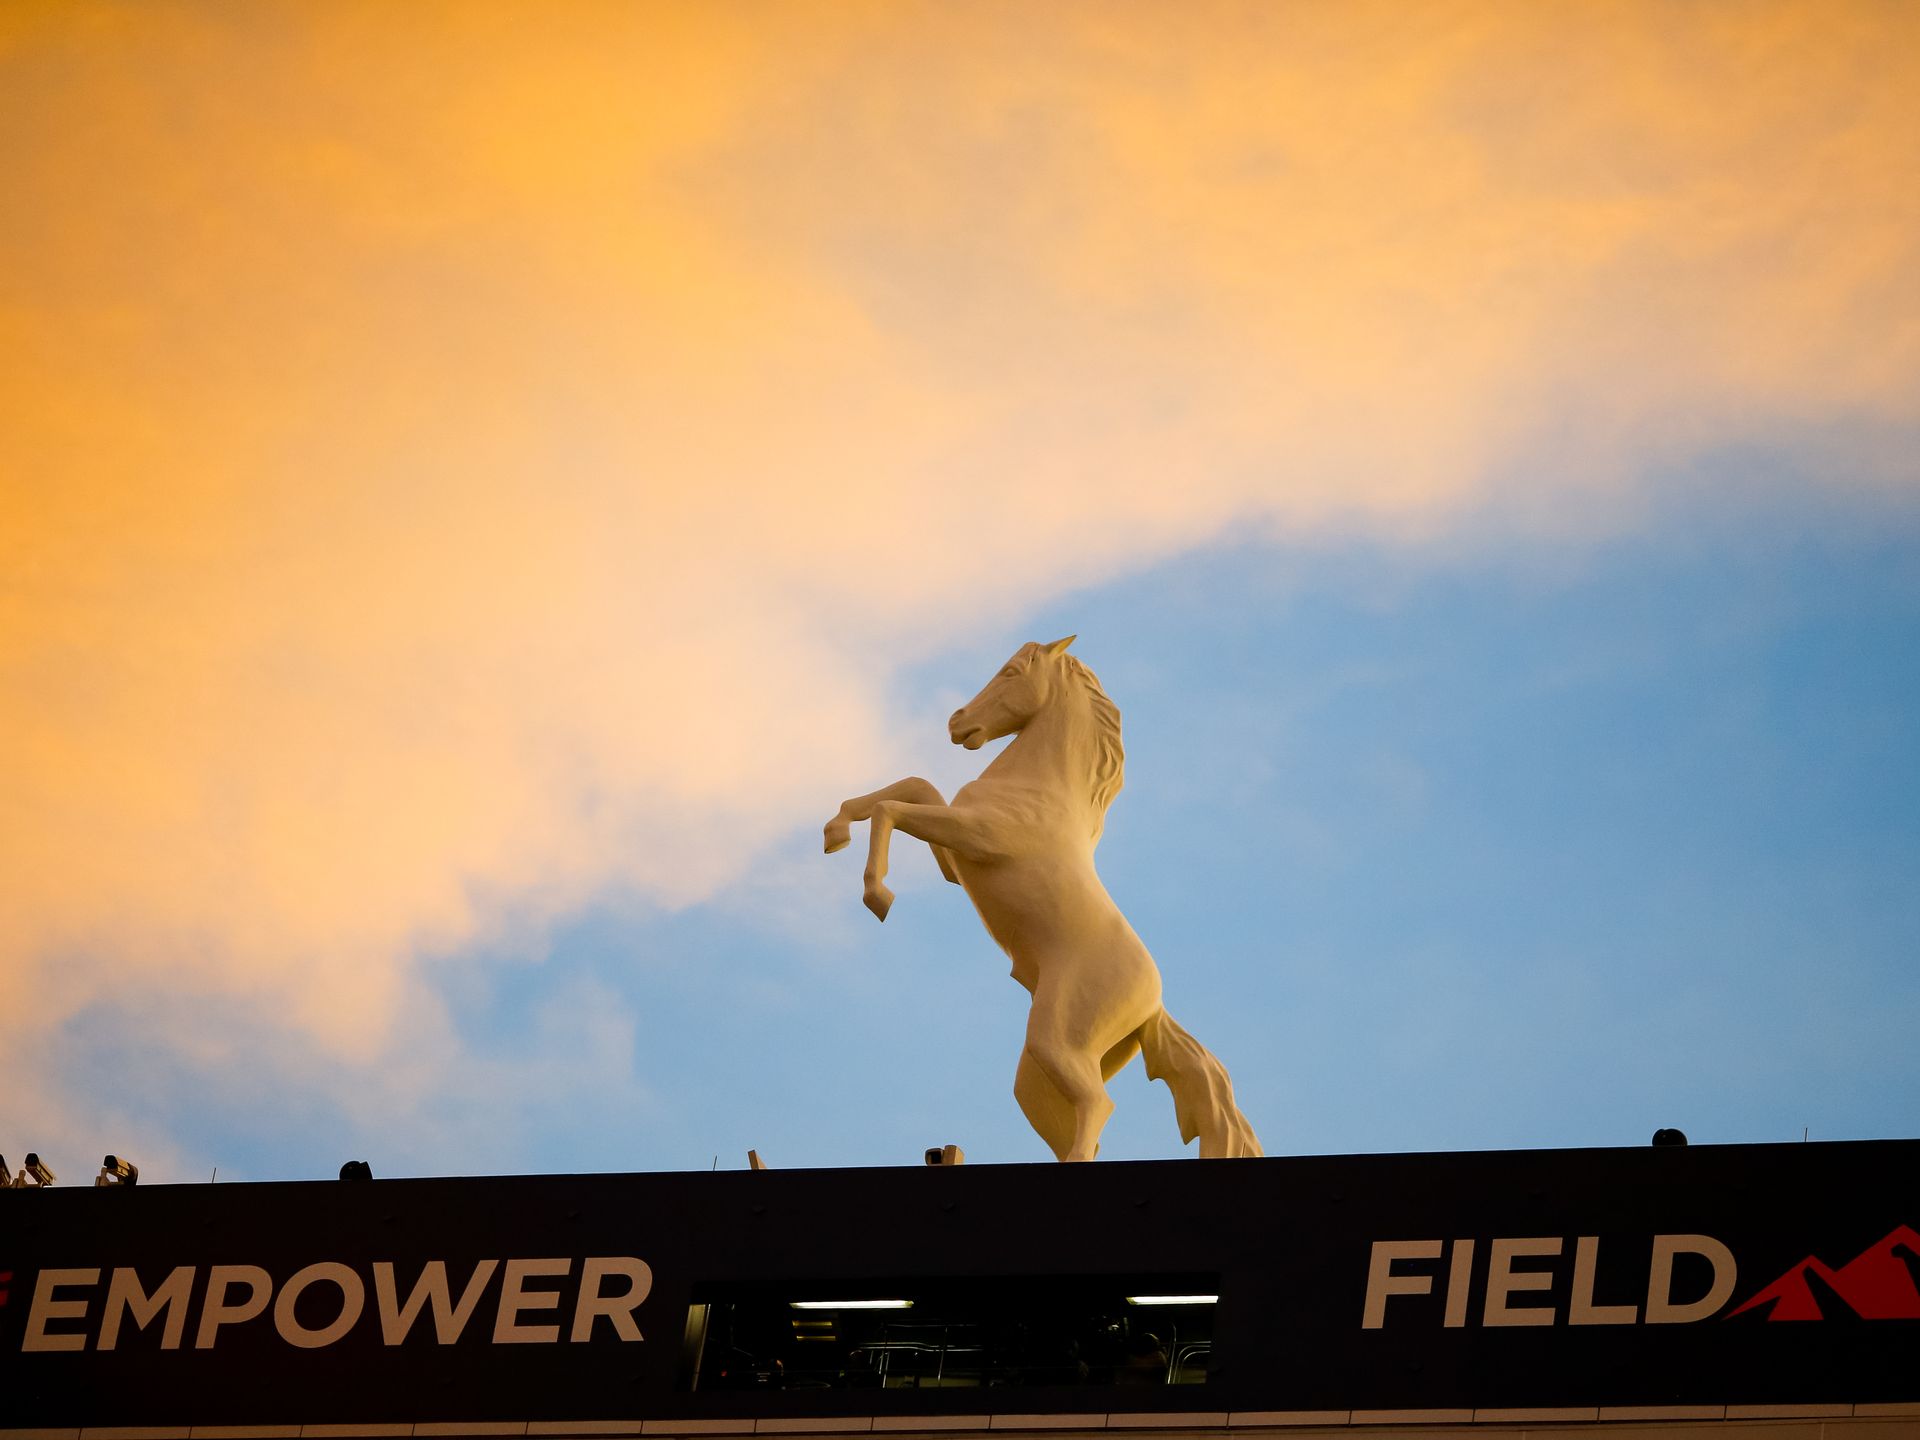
(479, 484)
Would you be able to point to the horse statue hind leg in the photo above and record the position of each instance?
(1079, 1036)
(1054, 1117)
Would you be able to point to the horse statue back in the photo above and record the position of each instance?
(1020, 841)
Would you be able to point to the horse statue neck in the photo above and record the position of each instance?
(1058, 749)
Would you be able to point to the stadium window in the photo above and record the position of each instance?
(945, 1334)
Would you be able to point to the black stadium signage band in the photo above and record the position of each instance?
(1709, 1275)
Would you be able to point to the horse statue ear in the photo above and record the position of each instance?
(1059, 647)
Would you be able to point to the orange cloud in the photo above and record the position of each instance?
(459, 460)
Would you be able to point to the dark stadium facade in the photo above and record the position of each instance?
(1770, 1287)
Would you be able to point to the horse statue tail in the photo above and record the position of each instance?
(1202, 1092)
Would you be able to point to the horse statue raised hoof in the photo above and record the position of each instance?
(1020, 841)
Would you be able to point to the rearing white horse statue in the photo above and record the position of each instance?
(1020, 840)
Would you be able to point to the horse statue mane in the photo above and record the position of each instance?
(1109, 756)
(1020, 839)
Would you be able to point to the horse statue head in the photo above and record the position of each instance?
(1024, 687)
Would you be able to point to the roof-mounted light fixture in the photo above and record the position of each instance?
(36, 1175)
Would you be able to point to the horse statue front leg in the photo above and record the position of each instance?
(839, 832)
(969, 835)
(974, 835)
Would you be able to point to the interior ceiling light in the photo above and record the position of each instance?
(851, 1304)
(1173, 1299)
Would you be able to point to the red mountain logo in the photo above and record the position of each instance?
(1882, 1282)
